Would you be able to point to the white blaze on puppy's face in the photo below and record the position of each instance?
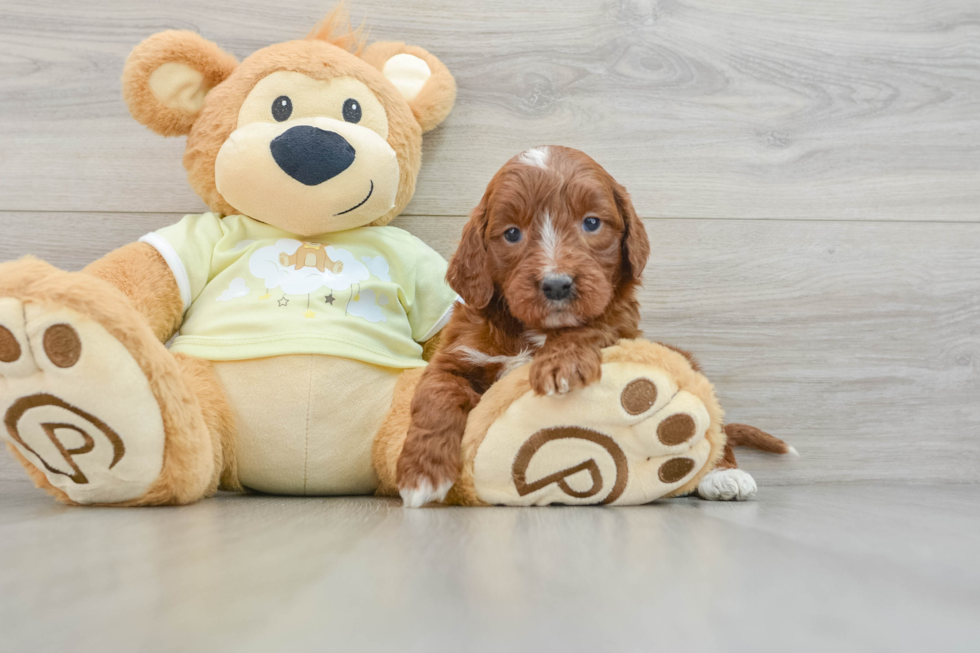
(537, 157)
(550, 242)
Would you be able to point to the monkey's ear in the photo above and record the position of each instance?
(423, 80)
(167, 76)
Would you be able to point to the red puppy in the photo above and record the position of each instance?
(548, 266)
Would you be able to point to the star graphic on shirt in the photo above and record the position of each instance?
(329, 299)
(283, 301)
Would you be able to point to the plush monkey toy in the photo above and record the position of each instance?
(297, 308)
(300, 317)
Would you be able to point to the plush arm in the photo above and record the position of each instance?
(140, 272)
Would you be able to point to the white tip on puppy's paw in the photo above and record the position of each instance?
(419, 496)
(727, 485)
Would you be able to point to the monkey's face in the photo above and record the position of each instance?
(305, 135)
(309, 155)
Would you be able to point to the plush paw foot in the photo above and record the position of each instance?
(76, 405)
(638, 434)
(727, 485)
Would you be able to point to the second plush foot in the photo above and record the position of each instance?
(650, 428)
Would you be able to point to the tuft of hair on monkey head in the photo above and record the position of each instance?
(336, 28)
(315, 135)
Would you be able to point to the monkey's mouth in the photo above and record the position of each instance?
(359, 204)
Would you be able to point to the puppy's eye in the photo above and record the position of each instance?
(352, 110)
(512, 235)
(282, 108)
(591, 223)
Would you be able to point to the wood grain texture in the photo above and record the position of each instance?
(858, 342)
(854, 567)
(832, 323)
(748, 109)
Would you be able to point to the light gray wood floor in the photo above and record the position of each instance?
(809, 174)
(856, 567)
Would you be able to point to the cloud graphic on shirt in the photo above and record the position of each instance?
(264, 264)
(378, 267)
(368, 306)
(236, 290)
(242, 244)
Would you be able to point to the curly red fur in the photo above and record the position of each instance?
(546, 193)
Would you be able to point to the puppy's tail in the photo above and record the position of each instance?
(743, 435)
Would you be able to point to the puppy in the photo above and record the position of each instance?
(548, 267)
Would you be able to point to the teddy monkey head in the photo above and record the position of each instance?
(311, 136)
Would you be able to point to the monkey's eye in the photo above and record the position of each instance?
(591, 224)
(282, 108)
(352, 110)
(512, 235)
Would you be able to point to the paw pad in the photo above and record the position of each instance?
(638, 396)
(675, 469)
(62, 345)
(9, 347)
(676, 429)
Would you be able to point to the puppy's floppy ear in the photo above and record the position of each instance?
(636, 245)
(468, 274)
(167, 76)
(423, 80)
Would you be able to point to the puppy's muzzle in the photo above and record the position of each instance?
(557, 287)
(311, 155)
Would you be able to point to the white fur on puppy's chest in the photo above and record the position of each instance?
(507, 363)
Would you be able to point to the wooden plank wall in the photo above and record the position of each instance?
(808, 172)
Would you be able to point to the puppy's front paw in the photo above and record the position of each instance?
(424, 492)
(562, 372)
(425, 474)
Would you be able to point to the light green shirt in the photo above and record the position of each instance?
(251, 290)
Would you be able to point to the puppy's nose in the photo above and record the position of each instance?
(557, 287)
(311, 155)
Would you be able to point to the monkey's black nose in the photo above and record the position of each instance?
(557, 287)
(311, 155)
